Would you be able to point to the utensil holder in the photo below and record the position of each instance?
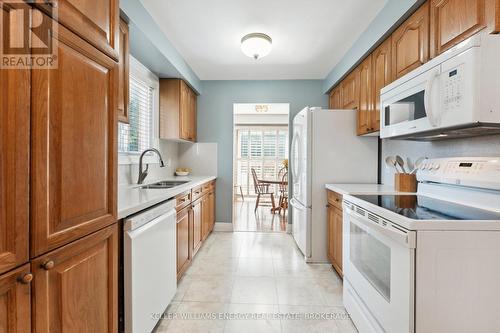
(404, 182)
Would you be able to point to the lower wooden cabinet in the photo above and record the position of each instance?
(75, 288)
(197, 222)
(15, 300)
(183, 244)
(335, 221)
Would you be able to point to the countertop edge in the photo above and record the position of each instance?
(367, 189)
(170, 193)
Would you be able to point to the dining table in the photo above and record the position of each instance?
(273, 182)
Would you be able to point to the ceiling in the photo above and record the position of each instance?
(309, 37)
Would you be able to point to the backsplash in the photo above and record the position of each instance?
(473, 147)
(127, 174)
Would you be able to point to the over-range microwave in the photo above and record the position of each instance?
(456, 94)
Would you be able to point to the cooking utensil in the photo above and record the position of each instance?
(418, 163)
(401, 163)
(390, 161)
(410, 164)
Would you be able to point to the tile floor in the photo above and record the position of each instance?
(256, 282)
(262, 220)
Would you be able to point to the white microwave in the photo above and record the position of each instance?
(456, 94)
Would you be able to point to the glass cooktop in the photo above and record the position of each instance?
(419, 207)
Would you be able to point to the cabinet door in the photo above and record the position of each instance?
(410, 42)
(365, 97)
(73, 145)
(184, 112)
(335, 98)
(453, 21)
(331, 232)
(183, 245)
(76, 286)
(337, 240)
(350, 91)
(14, 166)
(197, 225)
(123, 74)
(205, 216)
(15, 308)
(192, 116)
(211, 203)
(96, 21)
(381, 76)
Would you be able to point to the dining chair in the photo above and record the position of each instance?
(283, 189)
(261, 189)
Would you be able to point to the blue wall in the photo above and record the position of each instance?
(215, 119)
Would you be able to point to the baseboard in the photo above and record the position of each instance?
(223, 227)
(289, 228)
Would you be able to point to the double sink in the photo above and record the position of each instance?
(165, 184)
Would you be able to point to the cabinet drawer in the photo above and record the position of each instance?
(197, 192)
(335, 199)
(208, 187)
(183, 200)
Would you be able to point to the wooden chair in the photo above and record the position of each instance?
(283, 188)
(261, 189)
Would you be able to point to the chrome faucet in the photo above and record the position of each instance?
(144, 174)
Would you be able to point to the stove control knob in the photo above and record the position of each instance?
(437, 166)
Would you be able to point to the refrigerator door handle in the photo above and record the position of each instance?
(296, 204)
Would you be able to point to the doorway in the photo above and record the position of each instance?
(260, 167)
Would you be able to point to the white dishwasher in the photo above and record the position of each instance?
(150, 266)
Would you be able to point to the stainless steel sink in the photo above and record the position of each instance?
(164, 184)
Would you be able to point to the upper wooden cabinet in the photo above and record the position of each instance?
(123, 73)
(73, 145)
(350, 91)
(453, 21)
(96, 21)
(410, 42)
(381, 76)
(177, 110)
(365, 97)
(335, 100)
(15, 301)
(76, 287)
(14, 167)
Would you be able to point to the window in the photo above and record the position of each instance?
(262, 148)
(141, 132)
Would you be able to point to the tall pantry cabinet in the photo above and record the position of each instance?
(58, 230)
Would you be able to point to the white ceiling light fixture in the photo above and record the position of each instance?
(256, 45)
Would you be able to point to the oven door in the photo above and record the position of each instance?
(411, 107)
(379, 268)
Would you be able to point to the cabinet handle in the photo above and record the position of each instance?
(327, 206)
(26, 278)
(48, 265)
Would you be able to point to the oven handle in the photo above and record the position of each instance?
(406, 238)
(428, 98)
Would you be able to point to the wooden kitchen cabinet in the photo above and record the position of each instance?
(335, 100)
(73, 145)
(14, 167)
(197, 221)
(452, 21)
(410, 42)
(123, 73)
(15, 300)
(183, 243)
(211, 204)
(381, 76)
(350, 90)
(334, 234)
(205, 216)
(177, 110)
(96, 21)
(75, 287)
(365, 97)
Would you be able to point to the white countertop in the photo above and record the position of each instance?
(362, 189)
(133, 199)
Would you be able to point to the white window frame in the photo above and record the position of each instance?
(141, 72)
(248, 189)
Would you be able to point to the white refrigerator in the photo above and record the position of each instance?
(324, 150)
